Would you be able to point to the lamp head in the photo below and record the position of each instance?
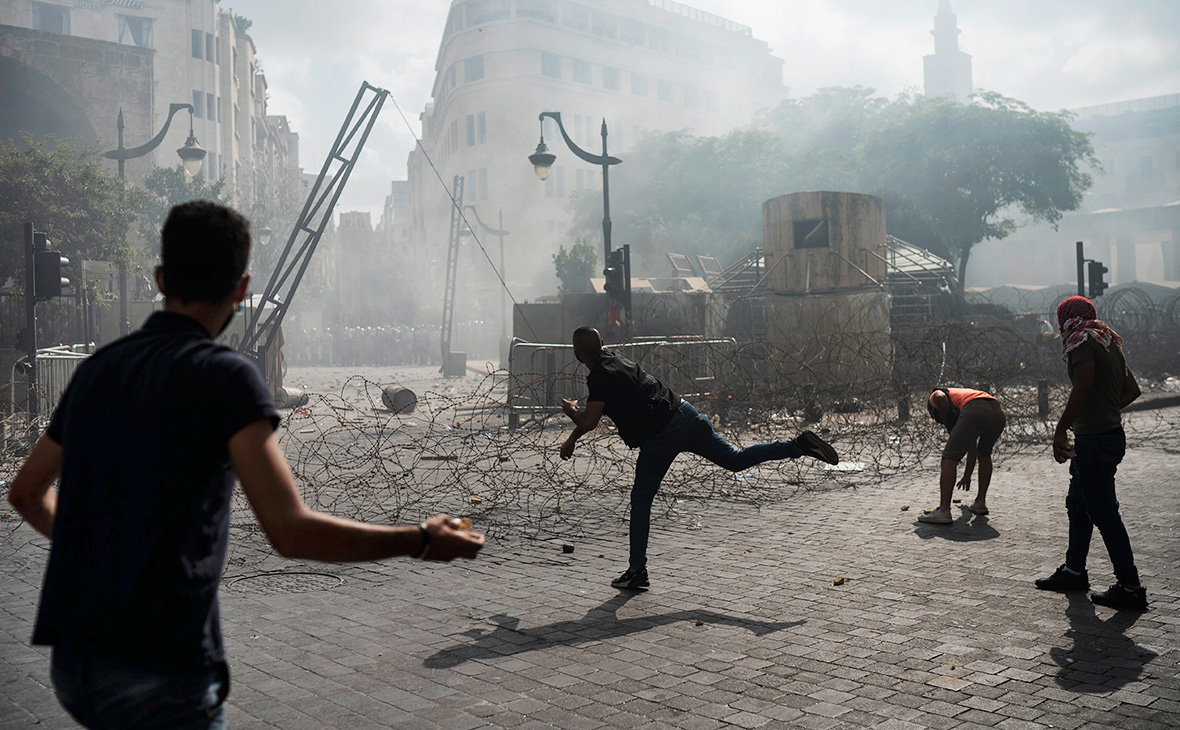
(542, 160)
(264, 235)
(191, 155)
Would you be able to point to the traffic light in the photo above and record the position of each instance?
(49, 270)
(1097, 285)
(616, 275)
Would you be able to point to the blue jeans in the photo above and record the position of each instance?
(104, 693)
(687, 431)
(1091, 503)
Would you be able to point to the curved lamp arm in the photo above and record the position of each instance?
(592, 159)
(486, 228)
(143, 149)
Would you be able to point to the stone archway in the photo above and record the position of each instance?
(32, 102)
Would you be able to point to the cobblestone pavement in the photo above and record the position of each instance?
(744, 626)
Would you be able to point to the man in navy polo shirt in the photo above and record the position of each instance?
(661, 425)
(147, 440)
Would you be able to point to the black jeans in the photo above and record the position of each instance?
(1091, 503)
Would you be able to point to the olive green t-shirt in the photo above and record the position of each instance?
(1101, 411)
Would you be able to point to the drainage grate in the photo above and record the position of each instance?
(284, 581)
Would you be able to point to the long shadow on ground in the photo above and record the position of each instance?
(600, 622)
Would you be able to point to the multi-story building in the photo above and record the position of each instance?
(637, 64)
(81, 62)
(1130, 219)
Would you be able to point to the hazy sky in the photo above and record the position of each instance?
(1051, 54)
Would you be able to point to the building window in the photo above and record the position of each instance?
(550, 64)
(664, 91)
(610, 78)
(217, 45)
(539, 9)
(209, 47)
(481, 128)
(606, 24)
(638, 85)
(135, 31)
(483, 183)
(632, 31)
(485, 11)
(198, 44)
(470, 120)
(473, 69)
(198, 104)
(575, 16)
(555, 183)
(450, 78)
(210, 108)
(581, 72)
(51, 18)
(237, 114)
(811, 233)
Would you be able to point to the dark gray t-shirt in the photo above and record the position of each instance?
(1101, 412)
(139, 540)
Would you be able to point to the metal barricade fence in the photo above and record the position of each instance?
(55, 368)
(541, 375)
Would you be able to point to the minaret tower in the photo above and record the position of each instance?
(948, 70)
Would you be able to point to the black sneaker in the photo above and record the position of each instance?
(1063, 581)
(1118, 597)
(634, 579)
(814, 446)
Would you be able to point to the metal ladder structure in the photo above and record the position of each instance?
(262, 324)
(448, 315)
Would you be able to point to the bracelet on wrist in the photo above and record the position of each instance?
(425, 546)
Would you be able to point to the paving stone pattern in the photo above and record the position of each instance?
(933, 627)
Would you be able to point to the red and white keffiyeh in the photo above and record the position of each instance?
(1078, 319)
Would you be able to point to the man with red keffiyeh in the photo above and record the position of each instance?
(1102, 386)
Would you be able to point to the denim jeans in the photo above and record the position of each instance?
(687, 431)
(1091, 503)
(104, 693)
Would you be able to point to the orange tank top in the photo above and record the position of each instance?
(961, 396)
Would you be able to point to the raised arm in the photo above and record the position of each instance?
(296, 531)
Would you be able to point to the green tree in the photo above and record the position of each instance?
(971, 167)
(67, 193)
(833, 118)
(575, 266)
(169, 186)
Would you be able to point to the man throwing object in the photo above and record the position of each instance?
(661, 425)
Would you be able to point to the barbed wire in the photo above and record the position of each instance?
(488, 450)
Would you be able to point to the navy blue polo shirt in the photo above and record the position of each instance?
(139, 540)
(637, 402)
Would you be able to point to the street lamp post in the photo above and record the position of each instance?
(543, 161)
(191, 156)
(503, 277)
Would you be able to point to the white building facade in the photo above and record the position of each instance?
(637, 64)
(197, 53)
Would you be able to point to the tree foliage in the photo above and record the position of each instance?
(575, 266)
(970, 167)
(65, 192)
(951, 174)
(169, 186)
